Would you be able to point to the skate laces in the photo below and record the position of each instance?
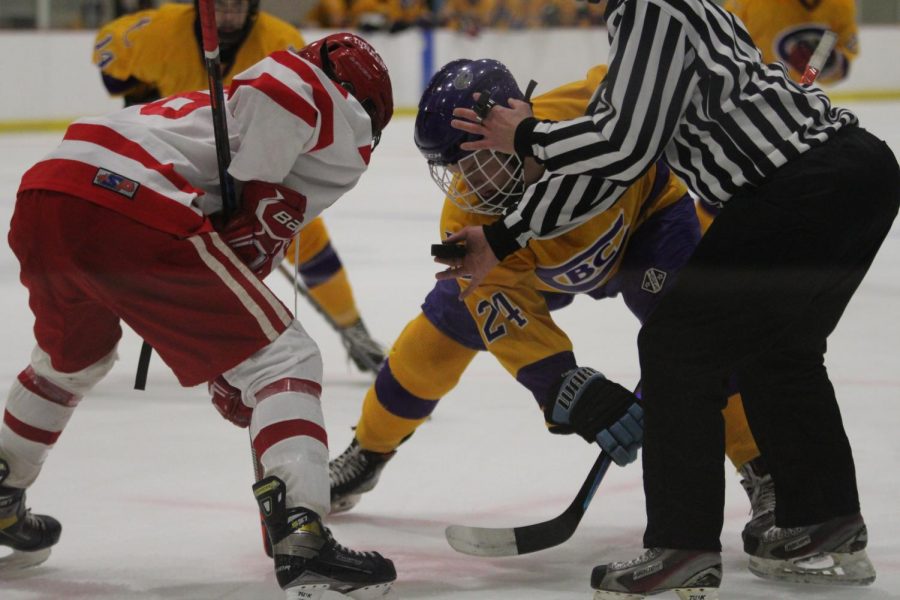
(360, 340)
(647, 554)
(341, 549)
(760, 490)
(349, 465)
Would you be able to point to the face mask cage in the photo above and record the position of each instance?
(484, 182)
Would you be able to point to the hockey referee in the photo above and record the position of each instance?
(806, 197)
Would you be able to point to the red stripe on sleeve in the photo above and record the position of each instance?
(282, 95)
(321, 97)
(29, 432)
(277, 432)
(108, 138)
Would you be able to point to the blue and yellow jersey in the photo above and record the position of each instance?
(787, 30)
(158, 48)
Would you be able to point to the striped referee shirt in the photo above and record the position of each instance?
(685, 83)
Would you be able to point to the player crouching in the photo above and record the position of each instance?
(134, 203)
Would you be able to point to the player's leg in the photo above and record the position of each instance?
(424, 364)
(657, 250)
(76, 338)
(326, 279)
(206, 314)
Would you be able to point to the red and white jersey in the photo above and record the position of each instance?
(288, 123)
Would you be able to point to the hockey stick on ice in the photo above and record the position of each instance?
(511, 541)
(210, 36)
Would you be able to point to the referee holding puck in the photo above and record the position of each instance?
(806, 197)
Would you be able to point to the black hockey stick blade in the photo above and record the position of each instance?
(512, 541)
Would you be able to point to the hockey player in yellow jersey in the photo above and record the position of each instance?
(788, 31)
(634, 249)
(156, 53)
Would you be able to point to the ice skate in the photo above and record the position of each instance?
(309, 563)
(691, 574)
(832, 552)
(757, 482)
(353, 473)
(29, 536)
(367, 354)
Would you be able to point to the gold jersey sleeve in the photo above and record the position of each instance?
(159, 48)
(777, 26)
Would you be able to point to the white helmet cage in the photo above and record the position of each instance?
(483, 182)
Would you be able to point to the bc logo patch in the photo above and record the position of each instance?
(590, 268)
(116, 183)
(654, 279)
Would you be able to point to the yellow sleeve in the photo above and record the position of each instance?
(115, 47)
(570, 100)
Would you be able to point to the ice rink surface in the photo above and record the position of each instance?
(153, 488)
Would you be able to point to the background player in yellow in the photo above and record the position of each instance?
(155, 53)
(788, 31)
(634, 249)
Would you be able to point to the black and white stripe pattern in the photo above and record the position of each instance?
(685, 83)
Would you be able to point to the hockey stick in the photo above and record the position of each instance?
(210, 36)
(819, 58)
(302, 290)
(511, 541)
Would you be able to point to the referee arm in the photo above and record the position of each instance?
(630, 121)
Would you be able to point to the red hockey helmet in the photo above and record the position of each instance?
(353, 63)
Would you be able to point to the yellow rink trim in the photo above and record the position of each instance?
(33, 125)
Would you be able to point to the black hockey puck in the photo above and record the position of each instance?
(448, 250)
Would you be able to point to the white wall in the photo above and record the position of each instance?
(49, 76)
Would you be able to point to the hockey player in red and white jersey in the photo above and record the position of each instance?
(122, 222)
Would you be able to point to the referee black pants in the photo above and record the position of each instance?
(759, 297)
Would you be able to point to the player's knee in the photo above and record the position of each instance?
(78, 383)
(293, 355)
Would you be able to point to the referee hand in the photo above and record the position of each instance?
(476, 264)
(498, 128)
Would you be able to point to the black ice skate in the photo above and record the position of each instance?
(691, 574)
(353, 473)
(366, 353)
(29, 536)
(833, 552)
(308, 560)
(757, 482)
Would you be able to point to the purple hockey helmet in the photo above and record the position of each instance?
(484, 182)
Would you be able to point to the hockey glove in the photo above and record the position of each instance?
(227, 400)
(270, 216)
(599, 410)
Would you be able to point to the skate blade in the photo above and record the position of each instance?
(19, 559)
(323, 591)
(345, 503)
(853, 568)
(682, 593)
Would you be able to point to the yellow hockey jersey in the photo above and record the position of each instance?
(158, 48)
(511, 312)
(786, 30)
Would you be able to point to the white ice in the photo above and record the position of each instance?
(153, 488)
